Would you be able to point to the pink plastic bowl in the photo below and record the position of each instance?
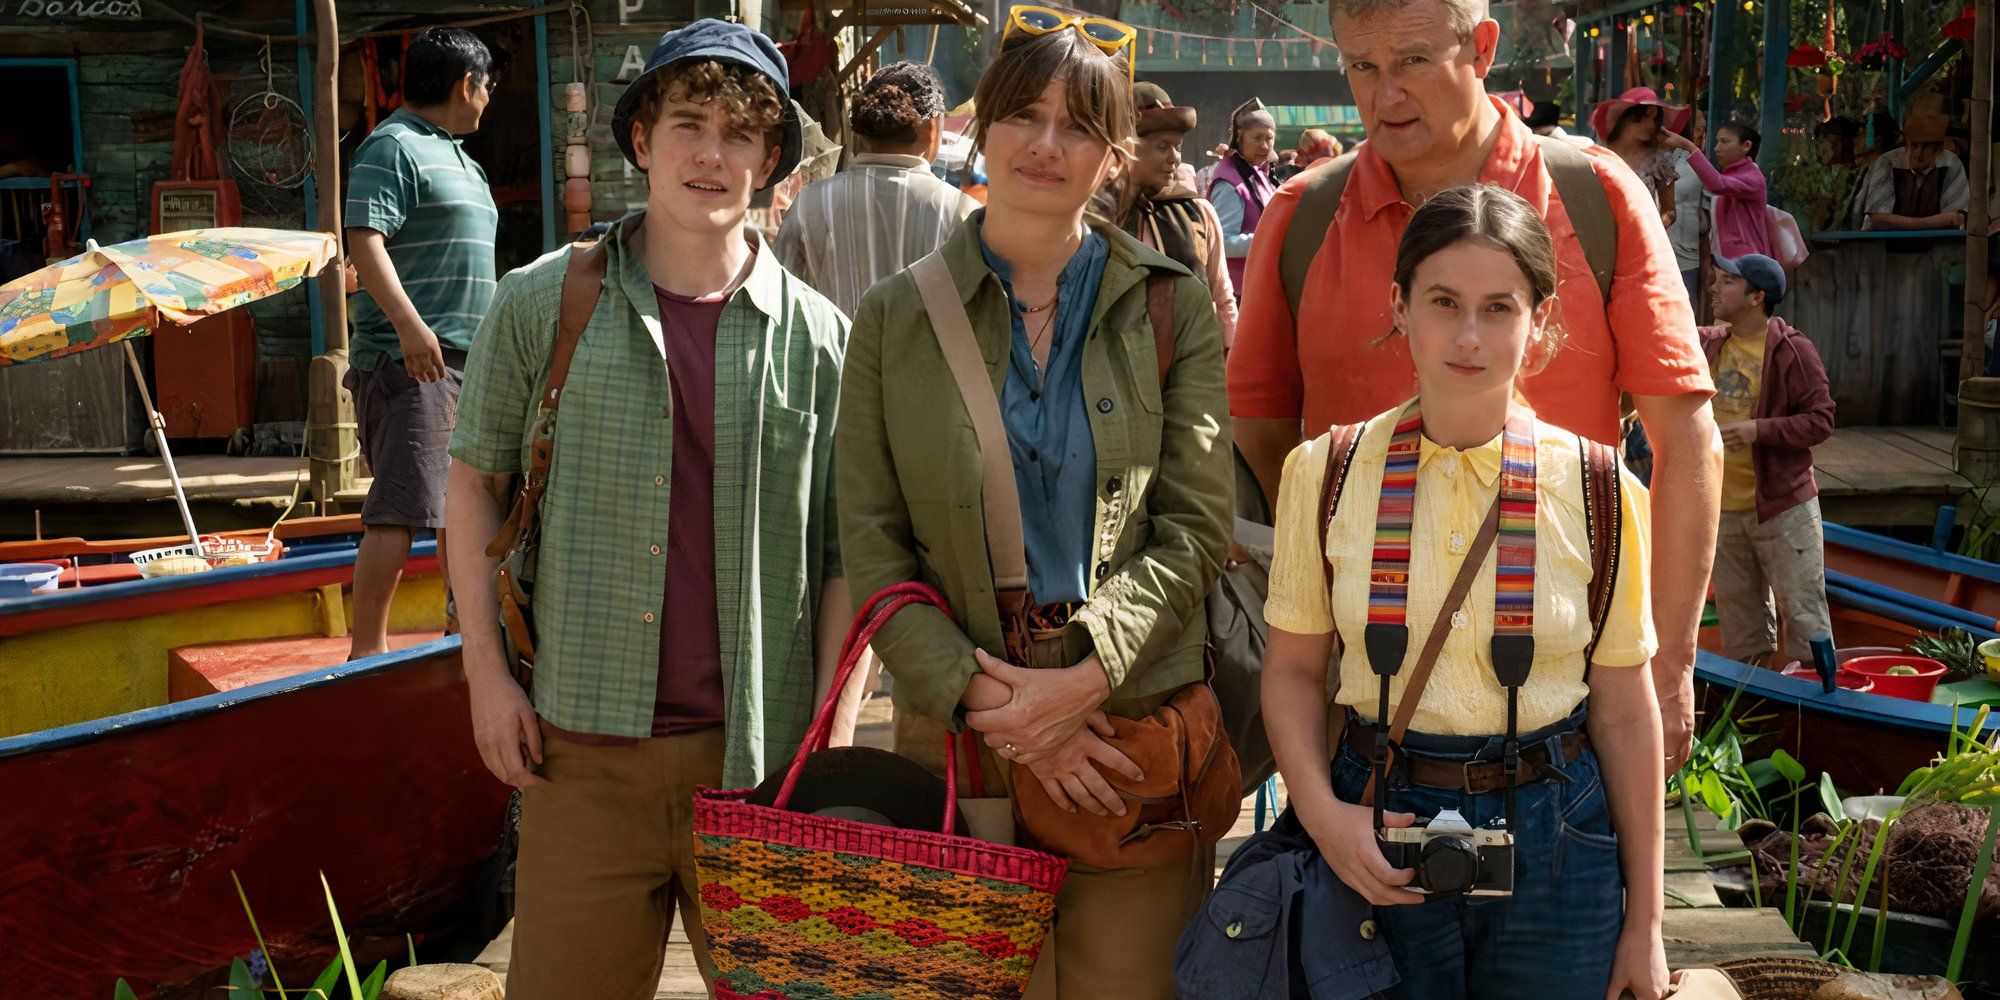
(1917, 687)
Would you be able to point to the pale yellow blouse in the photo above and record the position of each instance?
(1454, 490)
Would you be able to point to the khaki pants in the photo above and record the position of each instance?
(1785, 557)
(607, 852)
(1115, 929)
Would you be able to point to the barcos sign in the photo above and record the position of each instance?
(118, 9)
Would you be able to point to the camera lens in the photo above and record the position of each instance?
(1450, 866)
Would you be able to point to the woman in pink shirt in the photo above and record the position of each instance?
(1741, 224)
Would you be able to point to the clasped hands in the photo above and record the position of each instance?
(1050, 722)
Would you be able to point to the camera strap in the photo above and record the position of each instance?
(1511, 523)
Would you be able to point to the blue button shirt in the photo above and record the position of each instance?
(1048, 430)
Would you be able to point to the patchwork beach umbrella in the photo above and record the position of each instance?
(108, 295)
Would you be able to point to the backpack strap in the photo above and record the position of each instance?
(1589, 207)
(583, 283)
(1319, 199)
(1342, 442)
(1603, 510)
(1575, 181)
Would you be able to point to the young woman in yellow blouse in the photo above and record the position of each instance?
(1475, 295)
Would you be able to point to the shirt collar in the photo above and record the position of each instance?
(1373, 183)
(1483, 460)
(420, 123)
(904, 161)
(763, 287)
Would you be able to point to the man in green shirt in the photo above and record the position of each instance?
(420, 227)
(688, 576)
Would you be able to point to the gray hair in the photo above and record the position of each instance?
(1462, 15)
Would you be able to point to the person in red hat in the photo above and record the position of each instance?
(1635, 126)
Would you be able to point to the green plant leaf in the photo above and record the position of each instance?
(123, 991)
(329, 977)
(340, 935)
(261, 946)
(412, 942)
(239, 976)
(1829, 796)
(372, 986)
(1788, 766)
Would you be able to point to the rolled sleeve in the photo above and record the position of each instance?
(1628, 639)
(1299, 601)
(381, 187)
(1264, 377)
(502, 375)
(1142, 610)
(1651, 322)
(921, 647)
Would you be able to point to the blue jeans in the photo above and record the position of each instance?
(1554, 938)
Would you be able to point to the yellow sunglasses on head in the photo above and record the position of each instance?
(1108, 35)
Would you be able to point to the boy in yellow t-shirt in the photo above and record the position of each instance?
(1772, 405)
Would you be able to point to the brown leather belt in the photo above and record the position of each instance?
(1474, 777)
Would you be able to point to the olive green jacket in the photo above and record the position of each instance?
(907, 470)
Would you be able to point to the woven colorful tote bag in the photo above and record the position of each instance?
(800, 906)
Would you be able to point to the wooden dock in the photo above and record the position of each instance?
(1889, 476)
(1698, 929)
(131, 496)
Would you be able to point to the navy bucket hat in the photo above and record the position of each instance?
(725, 42)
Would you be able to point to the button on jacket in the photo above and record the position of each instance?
(909, 476)
(598, 586)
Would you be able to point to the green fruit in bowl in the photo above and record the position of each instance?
(1902, 670)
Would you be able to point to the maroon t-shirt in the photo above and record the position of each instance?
(690, 691)
(689, 697)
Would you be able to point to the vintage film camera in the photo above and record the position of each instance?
(1451, 858)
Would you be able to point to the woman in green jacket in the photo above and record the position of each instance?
(1123, 477)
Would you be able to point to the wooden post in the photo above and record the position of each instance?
(1979, 209)
(1771, 82)
(330, 438)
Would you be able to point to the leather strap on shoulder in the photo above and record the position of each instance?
(1004, 545)
(583, 283)
(1318, 201)
(1160, 311)
(1603, 500)
(1589, 207)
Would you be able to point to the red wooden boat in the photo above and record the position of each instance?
(119, 835)
(158, 735)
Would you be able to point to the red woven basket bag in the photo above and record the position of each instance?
(797, 905)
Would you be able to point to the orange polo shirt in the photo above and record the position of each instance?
(1643, 342)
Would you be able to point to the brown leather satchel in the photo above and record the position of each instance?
(519, 538)
(1190, 793)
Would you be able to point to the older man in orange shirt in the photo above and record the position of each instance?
(1416, 69)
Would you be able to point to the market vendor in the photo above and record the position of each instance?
(1921, 185)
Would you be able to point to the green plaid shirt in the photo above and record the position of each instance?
(601, 575)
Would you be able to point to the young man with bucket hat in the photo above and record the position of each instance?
(688, 570)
